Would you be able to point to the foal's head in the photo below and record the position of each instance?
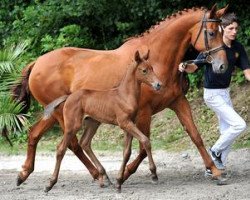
(144, 71)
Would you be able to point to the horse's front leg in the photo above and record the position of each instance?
(35, 134)
(183, 112)
(126, 155)
(143, 122)
(90, 128)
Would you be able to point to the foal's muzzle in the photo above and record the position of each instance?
(157, 85)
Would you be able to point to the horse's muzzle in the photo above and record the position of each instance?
(223, 68)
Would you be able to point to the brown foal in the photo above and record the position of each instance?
(116, 106)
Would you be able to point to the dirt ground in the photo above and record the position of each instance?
(181, 176)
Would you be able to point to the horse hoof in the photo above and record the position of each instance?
(19, 180)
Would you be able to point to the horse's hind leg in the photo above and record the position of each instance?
(36, 132)
(126, 155)
(90, 128)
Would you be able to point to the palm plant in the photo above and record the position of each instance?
(10, 118)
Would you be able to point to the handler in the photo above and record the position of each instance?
(217, 92)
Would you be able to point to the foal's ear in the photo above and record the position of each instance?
(146, 56)
(222, 11)
(137, 57)
(144, 52)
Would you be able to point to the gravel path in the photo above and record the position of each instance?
(181, 176)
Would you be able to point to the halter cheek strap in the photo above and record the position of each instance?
(206, 54)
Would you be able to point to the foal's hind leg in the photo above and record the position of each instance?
(36, 132)
(61, 149)
(70, 140)
(77, 150)
(126, 155)
(90, 128)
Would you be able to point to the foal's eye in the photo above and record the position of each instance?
(144, 71)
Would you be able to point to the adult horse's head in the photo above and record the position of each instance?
(207, 39)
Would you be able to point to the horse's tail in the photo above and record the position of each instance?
(21, 92)
(49, 109)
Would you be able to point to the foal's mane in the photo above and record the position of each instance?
(167, 20)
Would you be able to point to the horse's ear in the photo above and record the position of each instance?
(222, 11)
(213, 11)
(137, 57)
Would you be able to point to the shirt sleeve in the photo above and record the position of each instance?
(243, 61)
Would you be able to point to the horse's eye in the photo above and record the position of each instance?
(211, 34)
(144, 71)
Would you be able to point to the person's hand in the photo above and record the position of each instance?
(182, 67)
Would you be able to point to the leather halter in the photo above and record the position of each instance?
(208, 52)
(207, 57)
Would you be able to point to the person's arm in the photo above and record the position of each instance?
(247, 74)
(189, 68)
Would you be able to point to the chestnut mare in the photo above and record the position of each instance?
(63, 71)
(116, 106)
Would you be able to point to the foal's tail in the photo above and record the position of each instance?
(49, 109)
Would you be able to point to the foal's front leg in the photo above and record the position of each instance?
(131, 128)
(90, 128)
(143, 123)
(126, 155)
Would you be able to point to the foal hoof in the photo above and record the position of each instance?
(19, 180)
(154, 179)
(118, 188)
(47, 189)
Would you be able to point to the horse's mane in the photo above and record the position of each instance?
(166, 20)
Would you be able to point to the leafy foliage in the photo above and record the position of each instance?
(98, 24)
(10, 117)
